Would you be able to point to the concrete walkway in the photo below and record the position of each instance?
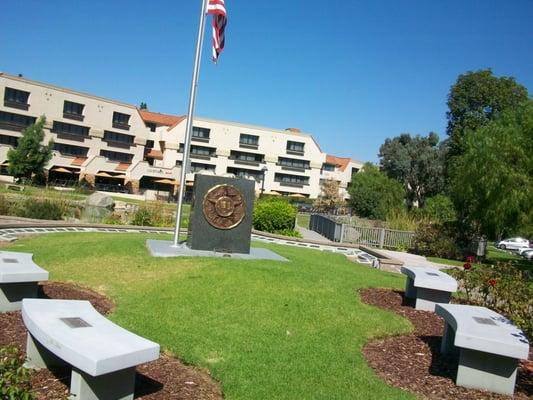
(412, 260)
(308, 234)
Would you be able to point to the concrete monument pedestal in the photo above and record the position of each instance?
(220, 223)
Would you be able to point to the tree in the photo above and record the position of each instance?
(330, 197)
(143, 106)
(492, 181)
(437, 209)
(30, 156)
(373, 194)
(476, 99)
(415, 162)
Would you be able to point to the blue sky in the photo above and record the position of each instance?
(352, 73)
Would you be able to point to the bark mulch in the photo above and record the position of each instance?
(164, 379)
(414, 363)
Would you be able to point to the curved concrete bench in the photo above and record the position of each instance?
(18, 279)
(489, 346)
(103, 355)
(428, 286)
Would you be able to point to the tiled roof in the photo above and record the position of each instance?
(294, 130)
(160, 119)
(122, 166)
(158, 155)
(78, 161)
(341, 162)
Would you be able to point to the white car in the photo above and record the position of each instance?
(528, 254)
(513, 244)
(523, 250)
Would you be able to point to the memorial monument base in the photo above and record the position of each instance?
(165, 248)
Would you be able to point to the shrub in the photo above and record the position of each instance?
(113, 219)
(5, 205)
(289, 232)
(437, 240)
(41, 208)
(438, 209)
(274, 216)
(401, 219)
(153, 214)
(142, 217)
(501, 287)
(14, 378)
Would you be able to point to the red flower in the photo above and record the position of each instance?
(467, 266)
(470, 259)
(492, 282)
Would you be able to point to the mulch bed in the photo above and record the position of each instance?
(414, 363)
(163, 379)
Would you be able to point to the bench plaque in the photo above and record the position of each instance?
(75, 322)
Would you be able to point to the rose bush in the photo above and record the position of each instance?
(501, 287)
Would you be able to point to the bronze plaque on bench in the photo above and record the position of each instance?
(484, 321)
(75, 322)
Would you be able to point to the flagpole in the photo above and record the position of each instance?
(188, 127)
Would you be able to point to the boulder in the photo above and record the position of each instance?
(100, 200)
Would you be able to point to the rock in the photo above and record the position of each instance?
(100, 200)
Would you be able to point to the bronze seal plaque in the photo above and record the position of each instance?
(224, 206)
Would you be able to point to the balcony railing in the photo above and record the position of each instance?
(16, 104)
(77, 117)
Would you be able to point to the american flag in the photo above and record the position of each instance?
(217, 8)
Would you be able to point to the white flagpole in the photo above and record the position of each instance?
(188, 127)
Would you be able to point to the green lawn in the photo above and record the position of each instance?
(494, 256)
(264, 329)
(303, 220)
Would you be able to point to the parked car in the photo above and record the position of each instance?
(512, 243)
(523, 250)
(528, 254)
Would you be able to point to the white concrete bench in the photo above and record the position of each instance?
(489, 346)
(428, 286)
(18, 279)
(102, 355)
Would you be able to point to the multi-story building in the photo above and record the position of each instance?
(113, 145)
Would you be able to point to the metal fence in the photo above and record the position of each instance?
(380, 237)
(337, 231)
(326, 226)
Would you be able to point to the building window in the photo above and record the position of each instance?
(62, 128)
(152, 126)
(9, 140)
(69, 150)
(328, 167)
(118, 139)
(116, 156)
(15, 122)
(16, 98)
(202, 151)
(201, 134)
(195, 167)
(121, 121)
(291, 180)
(249, 140)
(246, 157)
(295, 147)
(246, 173)
(354, 171)
(73, 110)
(149, 144)
(293, 163)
